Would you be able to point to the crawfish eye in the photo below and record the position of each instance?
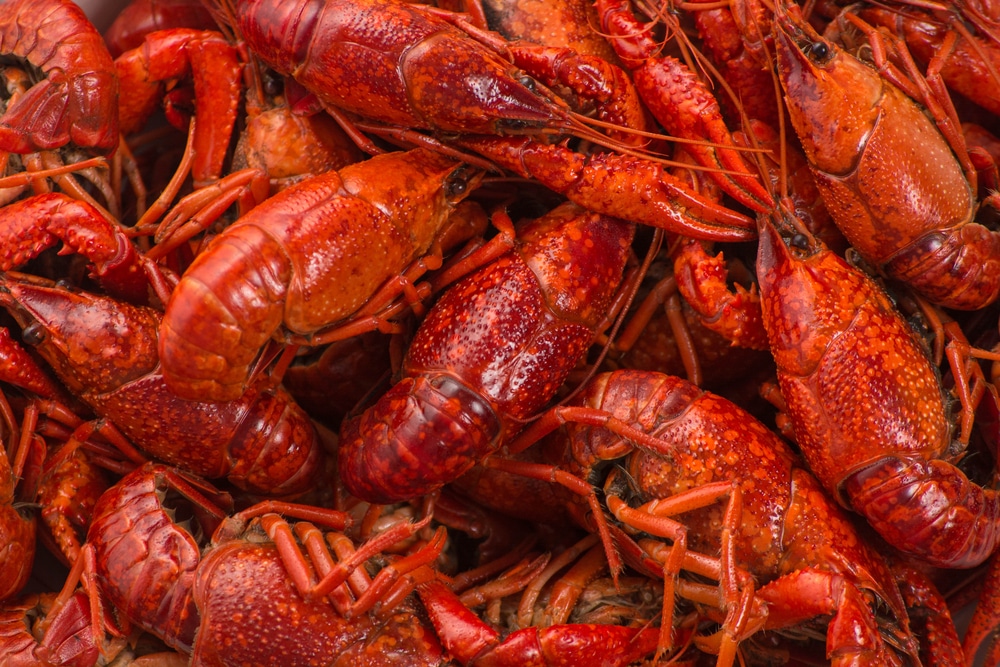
(800, 241)
(819, 52)
(33, 334)
(457, 183)
(527, 82)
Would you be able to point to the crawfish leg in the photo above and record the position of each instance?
(618, 185)
(852, 637)
(468, 639)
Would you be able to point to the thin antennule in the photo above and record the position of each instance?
(225, 17)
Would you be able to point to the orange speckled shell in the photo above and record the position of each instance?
(788, 522)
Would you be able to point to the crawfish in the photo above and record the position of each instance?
(302, 262)
(889, 178)
(867, 406)
(490, 353)
(154, 571)
(404, 66)
(105, 352)
(672, 439)
(76, 100)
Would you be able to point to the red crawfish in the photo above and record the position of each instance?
(303, 262)
(867, 406)
(675, 442)
(491, 352)
(76, 98)
(104, 351)
(889, 178)
(404, 67)
(155, 572)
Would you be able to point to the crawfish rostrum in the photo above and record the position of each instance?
(340, 332)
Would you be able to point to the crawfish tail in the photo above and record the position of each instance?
(145, 562)
(227, 305)
(958, 267)
(419, 420)
(929, 509)
(77, 100)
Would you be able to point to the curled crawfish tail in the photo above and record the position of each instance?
(426, 419)
(78, 96)
(146, 563)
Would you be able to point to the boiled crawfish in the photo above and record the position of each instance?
(303, 262)
(490, 353)
(889, 178)
(262, 441)
(675, 440)
(866, 404)
(428, 69)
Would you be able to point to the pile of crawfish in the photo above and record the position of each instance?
(364, 332)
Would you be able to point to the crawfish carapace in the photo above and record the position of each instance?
(867, 406)
(276, 625)
(490, 354)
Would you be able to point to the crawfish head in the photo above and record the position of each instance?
(833, 97)
(93, 343)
